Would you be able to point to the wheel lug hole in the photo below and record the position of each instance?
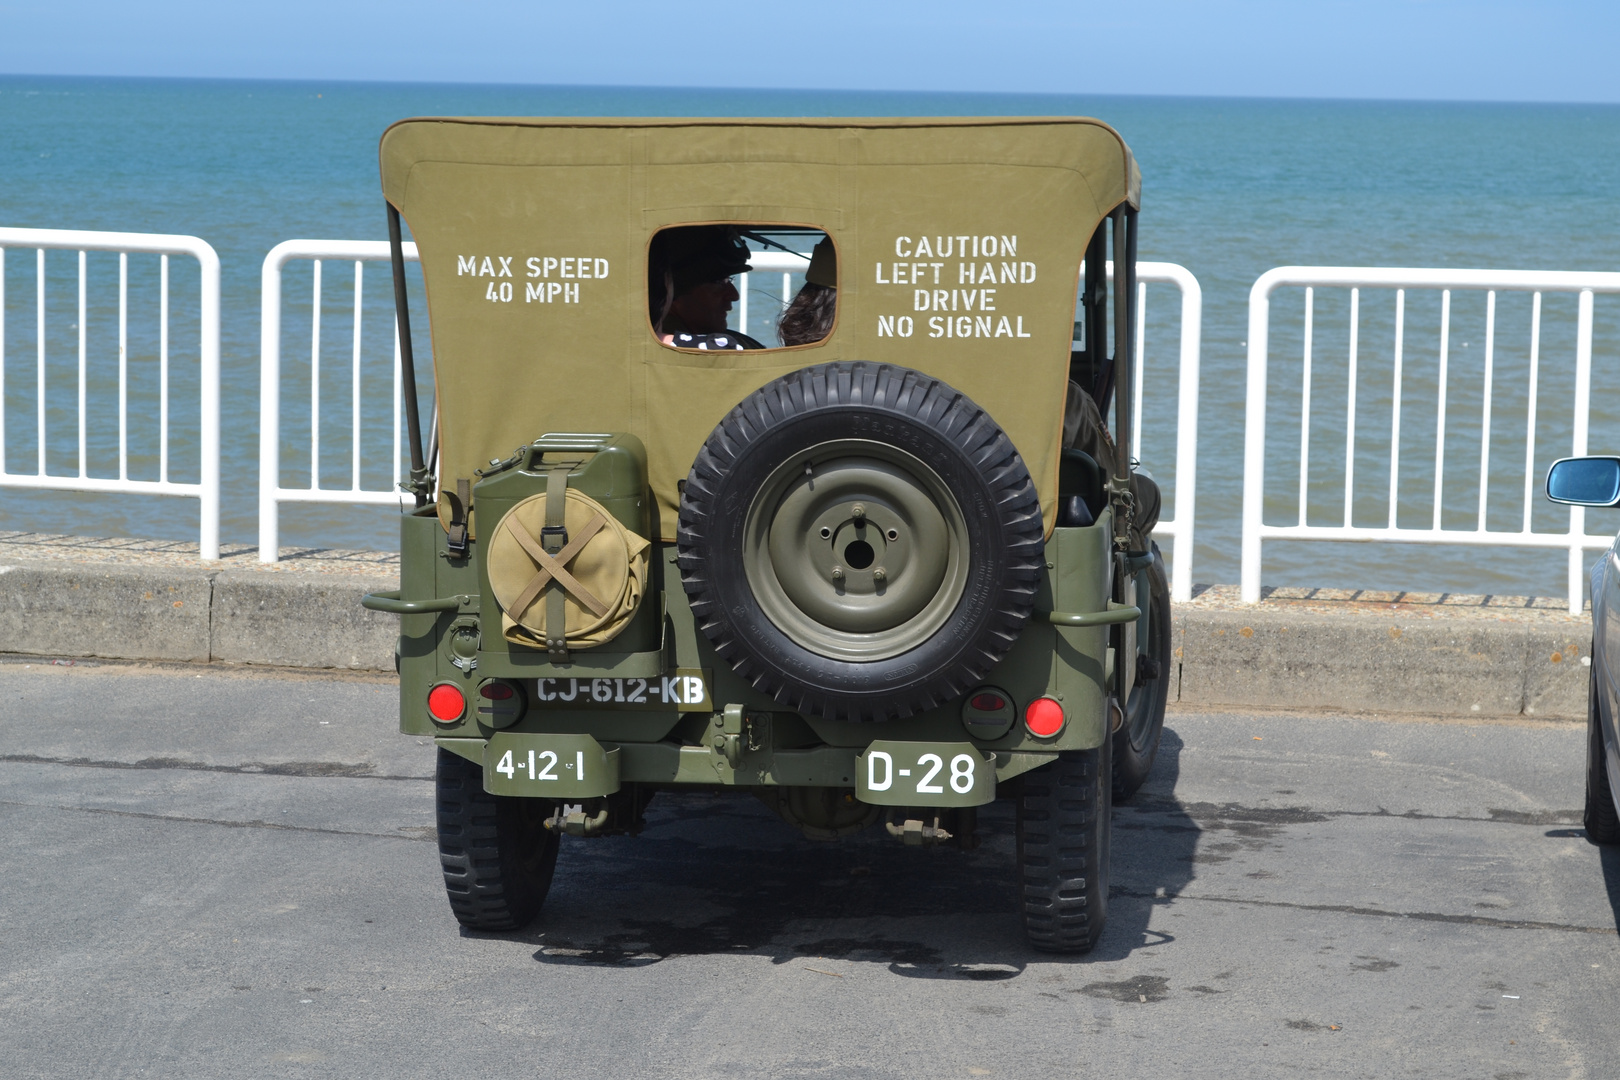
(893, 534)
(826, 533)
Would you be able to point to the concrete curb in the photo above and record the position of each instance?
(134, 612)
(1376, 661)
(1299, 648)
(307, 620)
(126, 612)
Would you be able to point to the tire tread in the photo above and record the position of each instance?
(1601, 820)
(1063, 851)
(497, 871)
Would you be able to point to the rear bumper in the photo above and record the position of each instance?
(576, 766)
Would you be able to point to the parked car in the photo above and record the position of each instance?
(1595, 481)
(871, 576)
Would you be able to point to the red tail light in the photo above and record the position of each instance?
(446, 703)
(1044, 717)
(988, 702)
(496, 691)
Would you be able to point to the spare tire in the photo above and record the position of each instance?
(860, 541)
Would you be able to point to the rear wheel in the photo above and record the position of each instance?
(497, 854)
(1063, 840)
(1137, 740)
(1601, 819)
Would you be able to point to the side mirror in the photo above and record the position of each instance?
(1585, 481)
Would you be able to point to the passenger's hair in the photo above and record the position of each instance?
(809, 318)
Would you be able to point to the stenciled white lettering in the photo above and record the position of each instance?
(983, 281)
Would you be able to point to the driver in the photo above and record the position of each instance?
(690, 291)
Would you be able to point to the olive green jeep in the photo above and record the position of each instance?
(875, 562)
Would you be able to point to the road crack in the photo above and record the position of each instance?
(319, 769)
(1352, 909)
(414, 834)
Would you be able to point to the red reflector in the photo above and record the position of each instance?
(988, 702)
(496, 691)
(1044, 717)
(445, 703)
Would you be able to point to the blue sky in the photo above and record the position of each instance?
(1493, 50)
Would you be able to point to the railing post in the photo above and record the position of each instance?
(1254, 439)
(270, 402)
(1192, 329)
(1581, 424)
(208, 385)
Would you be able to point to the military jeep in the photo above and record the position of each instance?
(864, 576)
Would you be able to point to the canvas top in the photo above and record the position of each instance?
(959, 243)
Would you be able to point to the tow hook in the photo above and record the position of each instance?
(915, 833)
(577, 823)
(734, 734)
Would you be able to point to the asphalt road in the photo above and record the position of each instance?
(223, 875)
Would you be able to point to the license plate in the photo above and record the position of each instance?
(893, 773)
(549, 766)
(684, 689)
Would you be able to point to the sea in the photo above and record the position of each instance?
(1231, 188)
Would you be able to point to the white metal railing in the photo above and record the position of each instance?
(206, 489)
(271, 493)
(1179, 528)
(1255, 530)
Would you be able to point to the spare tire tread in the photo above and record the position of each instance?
(710, 505)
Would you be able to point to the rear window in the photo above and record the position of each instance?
(741, 286)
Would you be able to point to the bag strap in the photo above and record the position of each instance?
(553, 538)
(460, 510)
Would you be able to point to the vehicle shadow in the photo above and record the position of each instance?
(716, 872)
(1155, 853)
(1610, 861)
